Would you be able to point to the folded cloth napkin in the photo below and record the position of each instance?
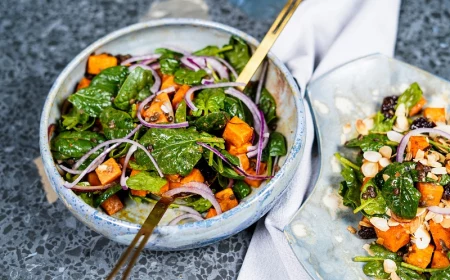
(321, 35)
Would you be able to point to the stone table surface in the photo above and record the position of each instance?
(38, 38)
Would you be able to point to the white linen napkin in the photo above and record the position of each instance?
(321, 35)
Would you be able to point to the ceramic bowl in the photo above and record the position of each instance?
(318, 232)
(191, 35)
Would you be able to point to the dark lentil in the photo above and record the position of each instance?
(170, 118)
(422, 123)
(396, 191)
(388, 106)
(367, 233)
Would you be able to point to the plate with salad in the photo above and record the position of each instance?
(381, 207)
(165, 118)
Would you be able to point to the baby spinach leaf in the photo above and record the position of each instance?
(181, 112)
(144, 93)
(410, 96)
(277, 144)
(371, 142)
(241, 189)
(209, 100)
(87, 197)
(372, 206)
(398, 190)
(268, 105)
(445, 179)
(175, 150)
(349, 188)
(74, 144)
(213, 51)
(91, 100)
(168, 53)
(239, 55)
(201, 205)
(222, 168)
(116, 123)
(135, 82)
(169, 65)
(106, 194)
(382, 252)
(234, 107)
(146, 181)
(111, 78)
(212, 122)
(381, 124)
(441, 275)
(375, 269)
(76, 119)
(185, 76)
(409, 274)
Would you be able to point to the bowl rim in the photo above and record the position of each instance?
(299, 135)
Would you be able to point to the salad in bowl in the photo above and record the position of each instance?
(168, 123)
(400, 181)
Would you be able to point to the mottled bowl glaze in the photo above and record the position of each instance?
(318, 232)
(188, 34)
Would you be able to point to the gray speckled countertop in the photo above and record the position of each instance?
(38, 38)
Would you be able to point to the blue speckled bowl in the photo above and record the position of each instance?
(191, 35)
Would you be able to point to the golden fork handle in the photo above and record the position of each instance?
(146, 230)
(267, 43)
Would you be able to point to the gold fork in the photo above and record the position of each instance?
(161, 206)
(267, 42)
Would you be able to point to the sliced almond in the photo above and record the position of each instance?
(369, 123)
(369, 169)
(438, 218)
(394, 276)
(361, 127)
(445, 223)
(401, 124)
(347, 128)
(386, 177)
(384, 162)
(422, 237)
(372, 156)
(420, 211)
(379, 223)
(439, 170)
(393, 223)
(430, 215)
(386, 151)
(389, 266)
(432, 176)
(394, 136)
(420, 155)
(368, 250)
(401, 110)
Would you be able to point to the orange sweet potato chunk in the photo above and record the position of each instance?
(440, 260)
(252, 171)
(112, 205)
(179, 95)
(434, 114)
(108, 171)
(83, 83)
(237, 132)
(417, 143)
(440, 235)
(416, 108)
(211, 213)
(431, 194)
(419, 257)
(93, 179)
(169, 81)
(394, 238)
(237, 151)
(226, 199)
(245, 162)
(194, 176)
(155, 109)
(97, 63)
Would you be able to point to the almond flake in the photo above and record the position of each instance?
(386, 151)
(372, 156)
(439, 170)
(379, 223)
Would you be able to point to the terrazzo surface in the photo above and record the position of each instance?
(37, 39)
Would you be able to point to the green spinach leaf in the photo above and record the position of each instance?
(201, 205)
(445, 180)
(277, 144)
(175, 150)
(234, 107)
(106, 194)
(268, 106)
(349, 188)
(76, 120)
(372, 206)
(111, 78)
(91, 100)
(209, 100)
(135, 82)
(375, 269)
(410, 96)
(239, 55)
(382, 252)
(381, 124)
(146, 181)
(185, 76)
(371, 142)
(441, 275)
(87, 197)
(74, 144)
(241, 189)
(116, 123)
(213, 51)
(212, 122)
(181, 112)
(409, 274)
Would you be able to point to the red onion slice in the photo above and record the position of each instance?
(93, 188)
(262, 79)
(166, 90)
(151, 57)
(439, 210)
(109, 142)
(198, 185)
(230, 183)
(157, 84)
(71, 171)
(405, 139)
(187, 96)
(123, 179)
(207, 81)
(155, 66)
(189, 210)
(201, 192)
(88, 154)
(232, 70)
(260, 142)
(190, 63)
(178, 219)
(236, 168)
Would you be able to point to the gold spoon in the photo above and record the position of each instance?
(163, 204)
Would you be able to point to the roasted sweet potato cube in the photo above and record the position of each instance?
(141, 193)
(112, 205)
(440, 235)
(164, 188)
(435, 114)
(245, 162)
(211, 213)
(418, 143)
(419, 257)
(157, 111)
(174, 185)
(431, 193)
(226, 199)
(179, 95)
(93, 179)
(237, 132)
(194, 176)
(440, 260)
(83, 83)
(97, 63)
(252, 171)
(394, 238)
(169, 81)
(416, 108)
(108, 171)
(238, 150)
